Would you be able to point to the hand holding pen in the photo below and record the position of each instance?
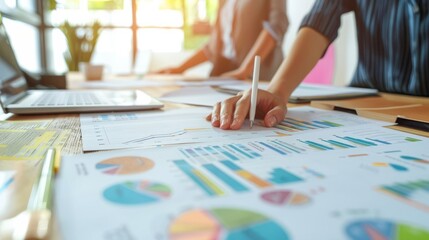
(231, 113)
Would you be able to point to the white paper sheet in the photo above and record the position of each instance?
(199, 96)
(125, 84)
(306, 92)
(104, 131)
(255, 187)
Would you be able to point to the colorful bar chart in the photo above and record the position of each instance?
(281, 176)
(248, 176)
(199, 178)
(415, 193)
(225, 178)
(361, 142)
(232, 152)
(288, 147)
(317, 146)
(273, 147)
(296, 125)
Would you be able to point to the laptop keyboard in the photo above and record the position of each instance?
(69, 99)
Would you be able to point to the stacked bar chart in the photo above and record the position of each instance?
(225, 178)
(295, 125)
(211, 153)
(246, 175)
(342, 142)
(207, 185)
(281, 176)
(415, 193)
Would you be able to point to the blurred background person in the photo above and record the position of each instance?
(243, 29)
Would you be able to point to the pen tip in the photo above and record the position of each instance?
(251, 124)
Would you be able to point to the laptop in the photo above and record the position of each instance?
(15, 97)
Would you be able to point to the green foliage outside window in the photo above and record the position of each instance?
(189, 8)
(106, 5)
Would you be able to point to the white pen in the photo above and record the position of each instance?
(254, 94)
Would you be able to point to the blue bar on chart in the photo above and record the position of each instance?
(408, 191)
(358, 141)
(238, 149)
(226, 153)
(228, 180)
(273, 147)
(329, 123)
(295, 125)
(338, 144)
(379, 141)
(246, 175)
(281, 176)
(199, 178)
(289, 147)
(316, 145)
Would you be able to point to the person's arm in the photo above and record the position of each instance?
(265, 43)
(272, 34)
(307, 49)
(197, 58)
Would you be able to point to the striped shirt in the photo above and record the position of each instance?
(393, 40)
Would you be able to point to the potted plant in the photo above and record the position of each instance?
(81, 42)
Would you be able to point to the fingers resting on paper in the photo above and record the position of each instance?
(231, 113)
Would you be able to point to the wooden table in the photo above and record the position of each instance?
(28, 170)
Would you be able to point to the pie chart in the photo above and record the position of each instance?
(124, 165)
(225, 223)
(285, 197)
(134, 193)
(382, 229)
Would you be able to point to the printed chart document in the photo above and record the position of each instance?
(29, 140)
(104, 131)
(308, 92)
(352, 182)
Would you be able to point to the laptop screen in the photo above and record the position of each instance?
(12, 81)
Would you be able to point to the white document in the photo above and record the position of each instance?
(306, 92)
(199, 96)
(105, 131)
(346, 183)
(126, 84)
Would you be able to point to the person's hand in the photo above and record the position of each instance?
(230, 113)
(235, 74)
(172, 70)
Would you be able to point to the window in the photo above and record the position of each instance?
(130, 28)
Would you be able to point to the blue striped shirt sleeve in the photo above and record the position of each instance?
(325, 17)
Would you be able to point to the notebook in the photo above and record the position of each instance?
(16, 98)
